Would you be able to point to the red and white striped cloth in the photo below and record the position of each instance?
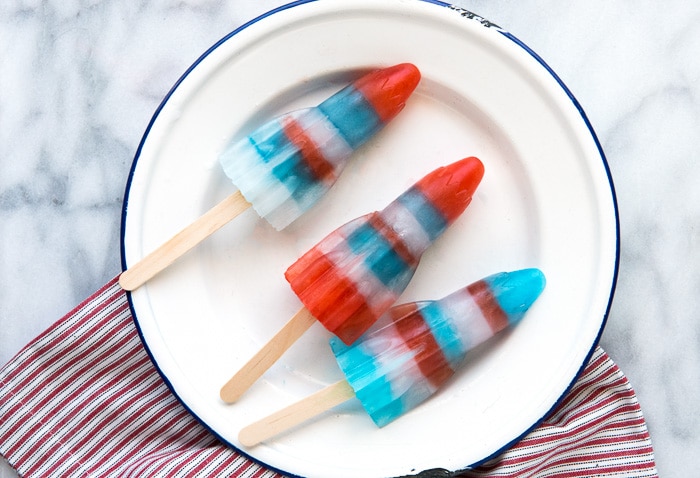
(84, 400)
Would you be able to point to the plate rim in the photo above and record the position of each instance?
(616, 269)
(467, 14)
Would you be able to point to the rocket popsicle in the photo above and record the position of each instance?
(393, 369)
(356, 273)
(286, 165)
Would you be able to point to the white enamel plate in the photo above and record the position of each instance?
(546, 201)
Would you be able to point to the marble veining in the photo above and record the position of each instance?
(80, 79)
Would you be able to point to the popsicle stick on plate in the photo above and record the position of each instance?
(267, 356)
(296, 414)
(207, 224)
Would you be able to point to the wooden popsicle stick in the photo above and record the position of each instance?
(210, 222)
(267, 355)
(296, 413)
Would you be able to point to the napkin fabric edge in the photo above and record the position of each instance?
(84, 399)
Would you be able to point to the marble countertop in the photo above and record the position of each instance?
(80, 81)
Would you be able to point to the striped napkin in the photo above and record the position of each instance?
(84, 400)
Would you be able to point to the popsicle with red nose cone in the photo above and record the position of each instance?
(286, 165)
(394, 368)
(356, 273)
(350, 278)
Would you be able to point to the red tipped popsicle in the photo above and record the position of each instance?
(286, 165)
(350, 278)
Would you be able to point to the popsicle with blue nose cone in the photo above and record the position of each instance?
(286, 165)
(393, 369)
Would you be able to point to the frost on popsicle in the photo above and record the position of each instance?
(287, 164)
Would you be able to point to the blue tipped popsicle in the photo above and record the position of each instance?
(285, 166)
(393, 369)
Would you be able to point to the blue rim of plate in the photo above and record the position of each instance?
(487, 24)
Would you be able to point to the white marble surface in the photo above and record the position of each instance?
(80, 79)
